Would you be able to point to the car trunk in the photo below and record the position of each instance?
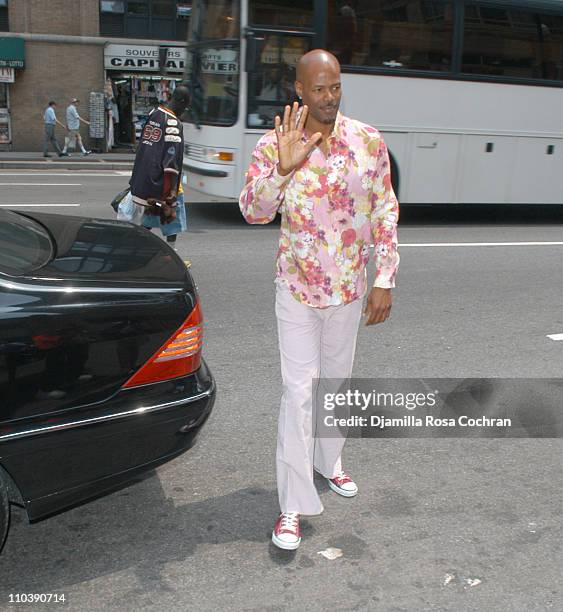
(108, 252)
(74, 330)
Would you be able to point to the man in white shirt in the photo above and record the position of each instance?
(73, 120)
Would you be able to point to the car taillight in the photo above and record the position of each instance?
(180, 356)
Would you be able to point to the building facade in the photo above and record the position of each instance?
(119, 58)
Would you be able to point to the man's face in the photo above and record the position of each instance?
(321, 91)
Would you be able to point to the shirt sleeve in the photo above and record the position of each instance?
(173, 154)
(385, 216)
(265, 187)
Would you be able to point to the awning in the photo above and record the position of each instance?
(12, 52)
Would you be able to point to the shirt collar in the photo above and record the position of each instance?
(338, 132)
(167, 110)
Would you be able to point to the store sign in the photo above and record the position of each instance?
(12, 52)
(184, 10)
(219, 61)
(143, 57)
(7, 75)
(96, 114)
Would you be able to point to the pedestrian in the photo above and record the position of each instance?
(156, 181)
(73, 120)
(50, 120)
(329, 175)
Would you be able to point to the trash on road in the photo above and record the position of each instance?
(331, 553)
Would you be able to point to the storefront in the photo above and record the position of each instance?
(12, 57)
(138, 78)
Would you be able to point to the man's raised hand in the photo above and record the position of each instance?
(292, 149)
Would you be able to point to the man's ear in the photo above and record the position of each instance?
(298, 88)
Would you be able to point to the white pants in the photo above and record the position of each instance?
(314, 343)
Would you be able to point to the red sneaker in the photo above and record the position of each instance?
(343, 485)
(287, 533)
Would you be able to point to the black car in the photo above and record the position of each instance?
(101, 373)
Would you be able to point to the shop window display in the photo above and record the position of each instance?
(4, 115)
(129, 101)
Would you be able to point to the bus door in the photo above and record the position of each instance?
(271, 60)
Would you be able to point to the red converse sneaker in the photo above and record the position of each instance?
(343, 485)
(287, 534)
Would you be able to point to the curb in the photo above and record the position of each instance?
(61, 165)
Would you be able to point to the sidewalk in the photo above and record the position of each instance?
(13, 160)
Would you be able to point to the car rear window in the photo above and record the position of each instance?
(25, 245)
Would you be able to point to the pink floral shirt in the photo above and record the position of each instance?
(333, 208)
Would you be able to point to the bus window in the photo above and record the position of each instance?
(212, 66)
(512, 43)
(414, 34)
(270, 85)
(215, 19)
(214, 84)
(275, 13)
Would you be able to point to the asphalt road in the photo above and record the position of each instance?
(439, 524)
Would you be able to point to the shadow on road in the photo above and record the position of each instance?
(479, 214)
(138, 528)
(215, 215)
(206, 216)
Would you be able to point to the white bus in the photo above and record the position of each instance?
(468, 94)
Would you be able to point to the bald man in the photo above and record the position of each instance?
(329, 175)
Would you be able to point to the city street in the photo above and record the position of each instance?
(438, 525)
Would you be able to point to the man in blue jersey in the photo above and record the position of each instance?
(156, 181)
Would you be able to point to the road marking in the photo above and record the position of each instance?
(43, 184)
(555, 337)
(473, 244)
(115, 174)
(36, 205)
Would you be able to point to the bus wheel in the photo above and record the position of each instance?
(395, 178)
(4, 512)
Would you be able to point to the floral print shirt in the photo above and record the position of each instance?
(333, 208)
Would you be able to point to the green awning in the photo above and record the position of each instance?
(12, 52)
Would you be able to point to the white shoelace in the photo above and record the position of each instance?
(290, 520)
